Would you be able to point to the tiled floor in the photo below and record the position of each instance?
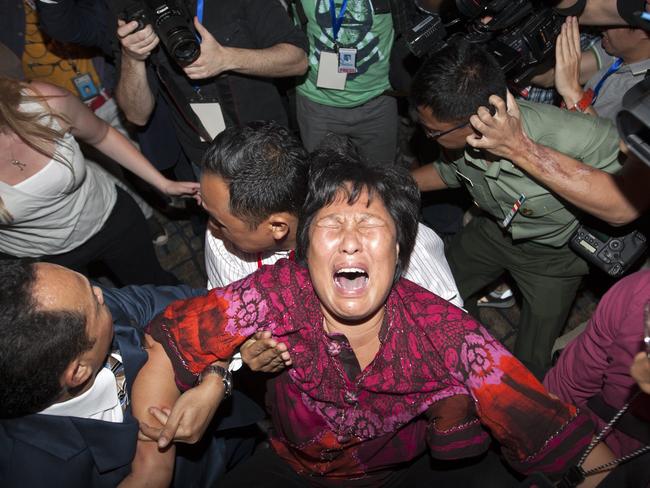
(183, 255)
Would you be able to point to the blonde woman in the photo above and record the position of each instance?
(53, 206)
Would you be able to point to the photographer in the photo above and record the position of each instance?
(242, 44)
(526, 229)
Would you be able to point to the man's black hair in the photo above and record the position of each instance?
(35, 345)
(265, 167)
(340, 171)
(457, 80)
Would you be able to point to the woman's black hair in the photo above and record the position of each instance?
(340, 171)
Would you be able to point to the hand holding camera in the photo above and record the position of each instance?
(137, 42)
(214, 58)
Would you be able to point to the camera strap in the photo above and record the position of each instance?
(577, 474)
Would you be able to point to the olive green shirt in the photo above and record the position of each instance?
(496, 186)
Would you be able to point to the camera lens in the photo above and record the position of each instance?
(183, 46)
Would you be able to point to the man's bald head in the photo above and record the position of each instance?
(42, 330)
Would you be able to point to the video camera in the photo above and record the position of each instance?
(172, 25)
(519, 33)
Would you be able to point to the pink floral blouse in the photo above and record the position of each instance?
(440, 381)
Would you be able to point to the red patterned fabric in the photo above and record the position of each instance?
(439, 380)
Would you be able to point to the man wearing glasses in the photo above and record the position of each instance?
(523, 229)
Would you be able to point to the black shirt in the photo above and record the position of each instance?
(248, 24)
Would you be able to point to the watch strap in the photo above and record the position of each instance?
(226, 377)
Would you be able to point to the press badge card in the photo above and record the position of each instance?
(211, 116)
(328, 72)
(347, 60)
(85, 86)
(333, 67)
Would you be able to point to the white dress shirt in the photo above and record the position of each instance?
(100, 402)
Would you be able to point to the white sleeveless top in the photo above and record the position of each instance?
(56, 210)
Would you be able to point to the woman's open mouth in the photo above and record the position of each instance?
(351, 279)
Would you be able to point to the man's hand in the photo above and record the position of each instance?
(640, 371)
(261, 353)
(502, 133)
(214, 58)
(567, 62)
(136, 45)
(190, 416)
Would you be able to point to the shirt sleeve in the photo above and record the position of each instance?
(592, 140)
(428, 266)
(537, 432)
(271, 25)
(447, 171)
(197, 332)
(582, 370)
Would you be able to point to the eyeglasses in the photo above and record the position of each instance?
(435, 134)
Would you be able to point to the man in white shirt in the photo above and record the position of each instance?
(253, 185)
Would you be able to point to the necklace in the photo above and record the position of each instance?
(18, 164)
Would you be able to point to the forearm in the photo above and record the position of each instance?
(592, 190)
(596, 12)
(133, 93)
(277, 61)
(118, 148)
(150, 468)
(428, 178)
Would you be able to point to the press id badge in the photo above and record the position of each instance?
(85, 86)
(211, 116)
(328, 72)
(347, 60)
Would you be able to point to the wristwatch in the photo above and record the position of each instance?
(226, 377)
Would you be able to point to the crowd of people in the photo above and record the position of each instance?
(287, 132)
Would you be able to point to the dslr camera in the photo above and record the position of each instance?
(519, 33)
(171, 24)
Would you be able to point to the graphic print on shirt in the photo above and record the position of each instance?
(355, 33)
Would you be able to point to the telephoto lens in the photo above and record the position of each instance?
(175, 30)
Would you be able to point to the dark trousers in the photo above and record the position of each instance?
(267, 470)
(547, 277)
(123, 244)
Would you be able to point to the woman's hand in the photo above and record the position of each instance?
(180, 188)
(261, 353)
(567, 62)
(500, 134)
(190, 416)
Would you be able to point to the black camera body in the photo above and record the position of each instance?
(520, 33)
(612, 252)
(172, 25)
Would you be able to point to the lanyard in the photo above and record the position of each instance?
(612, 69)
(199, 10)
(337, 20)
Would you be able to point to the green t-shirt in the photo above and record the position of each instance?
(372, 36)
(495, 186)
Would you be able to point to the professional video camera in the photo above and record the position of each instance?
(171, 23)
(519, 33)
